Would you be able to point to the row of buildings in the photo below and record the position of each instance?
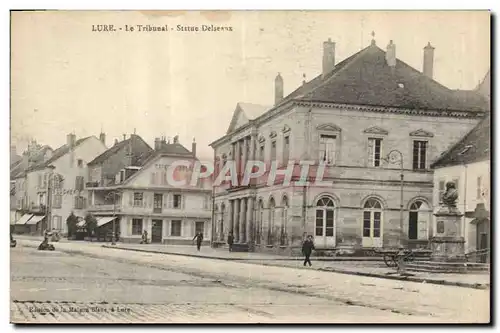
(121, 185)
(387, 135)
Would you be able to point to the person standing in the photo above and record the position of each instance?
(199, 239)
(230, 241)
(307, 248)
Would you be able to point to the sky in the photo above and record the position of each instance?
(67, 78)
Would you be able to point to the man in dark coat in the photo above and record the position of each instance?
(199, 239)
(230, 241)
(307, 248)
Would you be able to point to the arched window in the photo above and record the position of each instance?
(270, 232)
(284, 219)
(418, 220)
(325, 217)
(372, 223)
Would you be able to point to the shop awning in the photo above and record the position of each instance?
(104, 220)
(25, 218)
(35, 219)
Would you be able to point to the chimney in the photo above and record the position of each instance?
(71, 140)
(176, 139)
(278, 89)
(157, 144)
(124, 137)
(102, 138)
(328, 56)
(193, 147)
(390, 55)
(428, 60)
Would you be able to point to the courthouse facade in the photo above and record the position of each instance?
(347, 120)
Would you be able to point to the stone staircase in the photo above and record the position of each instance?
(447, 267)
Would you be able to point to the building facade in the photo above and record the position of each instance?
(344, 123)
(60, 181)
(141, 199)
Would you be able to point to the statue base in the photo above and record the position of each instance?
(447, 249)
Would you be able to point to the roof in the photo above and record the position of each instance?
(365, 79)
(167, 149)
(17, 169)
(250, 110)
(473, 147)
(58, 153)
(117, 147)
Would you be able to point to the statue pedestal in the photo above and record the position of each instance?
(448, 245)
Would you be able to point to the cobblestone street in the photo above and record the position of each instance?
(82, 282)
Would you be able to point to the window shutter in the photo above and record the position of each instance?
(370, 152)
(170, 201)
(183, 202)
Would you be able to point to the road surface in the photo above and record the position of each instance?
(107, 285)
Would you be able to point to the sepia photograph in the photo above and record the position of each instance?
(250, 167)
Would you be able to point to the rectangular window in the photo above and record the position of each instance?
(44, 184)
(138, 198)
(136, 226)
(199, 227)
(273, 151)
(157, 202)
(175, 228)
(286, 149)
(374, 151)
(122, 176)
(319, 223)
(366, 224)
(327, 148)
(419, 155)
(479, 188)
(177, 201)
(80, 202)
(79, 183)
(80, 163)
(261, 153)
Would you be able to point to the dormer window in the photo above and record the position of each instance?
(80, 163)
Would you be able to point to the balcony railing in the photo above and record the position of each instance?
(104, 207)
(92, 184)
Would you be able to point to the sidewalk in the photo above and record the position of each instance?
(368, 267)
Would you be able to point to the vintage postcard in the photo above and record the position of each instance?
(250, 167)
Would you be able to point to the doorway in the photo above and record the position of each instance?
(156, 231)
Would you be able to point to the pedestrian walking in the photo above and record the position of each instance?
(230, 241)
(307, 248)
(199, 239)
(144, 237)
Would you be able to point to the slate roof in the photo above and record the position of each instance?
(58, 153)
(117, 147)
(473, 147)
(365, 79)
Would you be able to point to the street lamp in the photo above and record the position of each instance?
(393, 158)
(113, 234)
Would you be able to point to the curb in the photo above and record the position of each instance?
(333, 270)
(245, 259)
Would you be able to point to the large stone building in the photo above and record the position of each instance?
(59, 180)
(140, 198)
(348, 118)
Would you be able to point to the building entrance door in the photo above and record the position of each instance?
(157, 231)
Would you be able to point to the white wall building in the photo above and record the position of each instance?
(468, 164)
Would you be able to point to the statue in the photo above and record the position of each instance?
(450, 197)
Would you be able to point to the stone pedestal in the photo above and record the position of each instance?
(448, 245)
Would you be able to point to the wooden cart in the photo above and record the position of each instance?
(392, 256)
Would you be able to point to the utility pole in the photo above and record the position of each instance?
(48, 214)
